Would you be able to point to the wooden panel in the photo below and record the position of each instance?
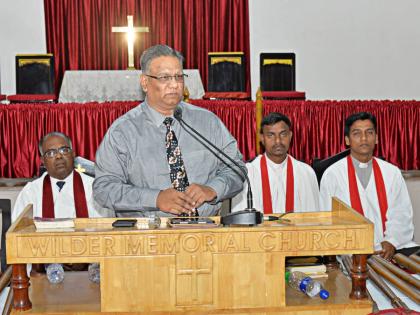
(138, 283)
(75, 293)
(249, 280)
(214, 270)
(194, 280)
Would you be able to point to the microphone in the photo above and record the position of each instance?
(249, 216)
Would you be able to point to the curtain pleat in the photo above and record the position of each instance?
(317, 128)
(79, 32)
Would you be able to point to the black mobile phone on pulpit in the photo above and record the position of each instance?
(124, 223)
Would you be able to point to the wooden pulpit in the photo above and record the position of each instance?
(199, 270)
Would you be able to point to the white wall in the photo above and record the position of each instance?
(22, 30)
(358, 49)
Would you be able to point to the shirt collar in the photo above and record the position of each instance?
(67, 179)
(359, 164)
(275, 165)
(156, 117)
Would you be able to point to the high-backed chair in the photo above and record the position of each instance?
(35, 74)
(320, 166)
(34, 79)
(226, 75)
(278, 76)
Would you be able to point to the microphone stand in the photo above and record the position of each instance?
(249, 216)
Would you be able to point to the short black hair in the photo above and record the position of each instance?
(273, 118)
(358, 116)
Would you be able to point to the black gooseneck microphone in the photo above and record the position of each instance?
(249, 216)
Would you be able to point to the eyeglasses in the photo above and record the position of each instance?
(53, 152)
(179, 78)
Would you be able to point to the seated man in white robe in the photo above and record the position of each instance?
(61, 192)
(279, 182)
(373, 187)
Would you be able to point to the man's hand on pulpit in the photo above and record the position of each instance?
(200, 194)
(175, 202)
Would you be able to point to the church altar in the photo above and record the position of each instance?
(115, 85)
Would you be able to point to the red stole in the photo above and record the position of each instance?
(78, 193)
(380, 189)
(290, 190)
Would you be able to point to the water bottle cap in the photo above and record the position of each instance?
(287, 275)
(324, 294)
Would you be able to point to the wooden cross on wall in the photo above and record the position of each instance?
(130, 30)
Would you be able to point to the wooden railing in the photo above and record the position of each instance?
(4, 282)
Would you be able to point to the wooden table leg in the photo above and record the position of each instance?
(20, 285)
(358, 277)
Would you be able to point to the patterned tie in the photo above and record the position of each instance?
(60, 185)
(178, 174)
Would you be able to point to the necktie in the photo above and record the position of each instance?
(178, 175)
(60, 185)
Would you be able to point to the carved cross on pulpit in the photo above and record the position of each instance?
(194, 272)
(130, 30)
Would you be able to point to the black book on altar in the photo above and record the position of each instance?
(226, 72)
(277, 71)
(34, 74)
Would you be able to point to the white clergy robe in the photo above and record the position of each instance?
(399, 223)
(63, 200)
(306, 193)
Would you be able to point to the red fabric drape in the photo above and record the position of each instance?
(79, 32)
(23, 125)
(317, 128)
(239, 118)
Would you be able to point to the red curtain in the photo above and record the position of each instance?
(317, 128)
(79, 32)
(239, 118)
(23, 125)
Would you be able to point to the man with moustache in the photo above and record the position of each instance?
(373, 187)
(279, 182)
(149, 164)
(60, 192)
